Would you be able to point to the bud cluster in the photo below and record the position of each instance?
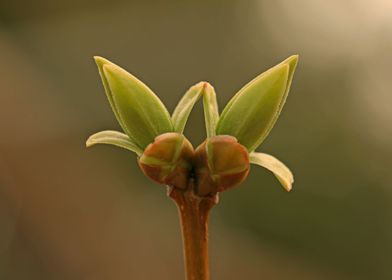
(222, 160)
(218, 164)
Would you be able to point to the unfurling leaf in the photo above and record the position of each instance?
(185, 105)
(223, 160)
(253, 111)
(188, 101)
(281, 171)
(211, 113)
(113, 138)
(142, 114)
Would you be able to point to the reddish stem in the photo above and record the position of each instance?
(194, 212)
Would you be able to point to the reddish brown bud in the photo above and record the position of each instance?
(221, 163)
(168, 160)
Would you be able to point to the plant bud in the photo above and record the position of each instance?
(221, 163)
(168, 160)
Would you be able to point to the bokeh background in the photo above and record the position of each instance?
(71, 213)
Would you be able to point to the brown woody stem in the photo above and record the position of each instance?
(194, 212)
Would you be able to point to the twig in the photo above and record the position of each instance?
(194, 211)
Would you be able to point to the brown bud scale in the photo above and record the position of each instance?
(168, 160)
(221, 163)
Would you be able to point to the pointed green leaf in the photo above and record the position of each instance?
(211, 113)
(292, 61)
(263, 121)
(100, 61)
(185, 105)
(281, 171)
(113, 138)
(252, 112)
(143, 114)
(188, 101)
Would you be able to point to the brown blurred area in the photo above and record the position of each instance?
(71, 213)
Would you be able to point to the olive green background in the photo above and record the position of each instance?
(71, 213)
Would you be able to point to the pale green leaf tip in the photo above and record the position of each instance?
(107, 66)
(278, 168)
(200, 86)
(207, 88)
(91, 141)
(115, 138)
(112, 72)
(203, 85)
(292, 61)
(206, 85)
(287, 183)
(293, 57)
(100, 61)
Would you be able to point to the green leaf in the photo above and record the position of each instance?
(185, 105)
(252, 112)
(292, 61)
(142, 113)
(211, 113)
(188, 101)
(113, 138)
(281, 171)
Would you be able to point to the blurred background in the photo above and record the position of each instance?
(71, 213)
